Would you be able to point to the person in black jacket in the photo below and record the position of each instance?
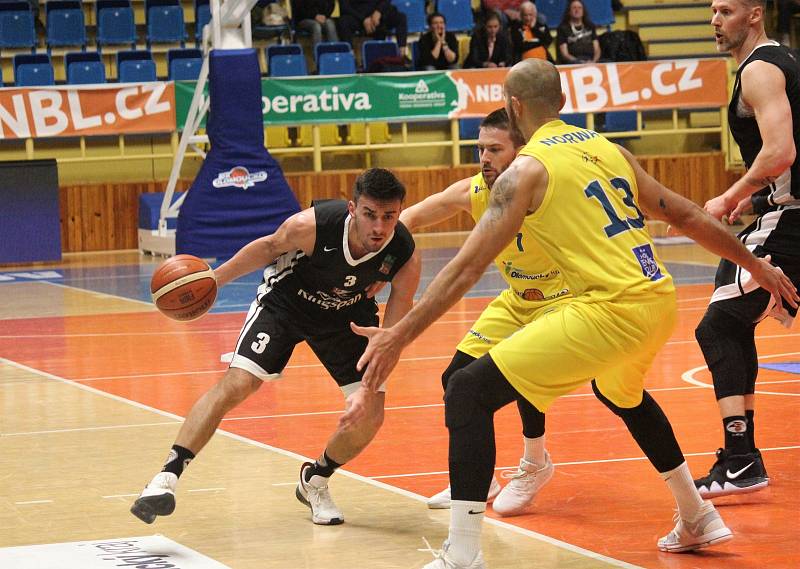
(530, 37)
(577, 36)
(314, 16)
(489, 47)
(373, 18)
(438, 48)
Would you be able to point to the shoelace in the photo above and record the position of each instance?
(437, 553)
(515, 474)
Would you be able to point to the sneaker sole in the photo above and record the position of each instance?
(149, 508)
(716, 537)
(734, 490)
(314, 518)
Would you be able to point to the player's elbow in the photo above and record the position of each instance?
(779, 159)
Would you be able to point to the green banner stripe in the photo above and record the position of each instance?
(346, 98)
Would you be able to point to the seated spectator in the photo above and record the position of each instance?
(506, 10)
(489, 46)
(373, 18)
(530, 37)
(785, 10)
(314, 16)
(577, 36)
(438, 48)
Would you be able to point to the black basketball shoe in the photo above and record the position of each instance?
(733, 474)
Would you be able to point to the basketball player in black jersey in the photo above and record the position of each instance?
(764, 118)
(320, 264)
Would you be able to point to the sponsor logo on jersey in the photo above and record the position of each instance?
(327, 301)
(647, 260)
(480, 336)
(387, 264)
(238, 177)
(516, 273)
(534, 294)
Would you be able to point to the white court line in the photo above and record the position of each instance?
(80, 429)
(560, 464)
(34, 502)
(205, 489)
(103, 294)
(289, 454)
(111, 496)
(688, 376)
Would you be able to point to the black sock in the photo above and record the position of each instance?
(751, 429)
(324, 466)
(178, 459)
(736, 438)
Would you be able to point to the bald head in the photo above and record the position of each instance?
(537, 85)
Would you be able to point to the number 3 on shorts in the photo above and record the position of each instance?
(261, 343)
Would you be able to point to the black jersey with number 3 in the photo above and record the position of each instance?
(744, 128)
(330, 282)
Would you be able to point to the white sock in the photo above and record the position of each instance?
(682, 486)
(465, 530)
(534, 450)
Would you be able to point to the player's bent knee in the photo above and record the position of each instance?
(616, 409)
(460, 360)
(460, 399)
(239, 384)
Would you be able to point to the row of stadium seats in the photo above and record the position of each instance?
(330, 58)
(115, 23)
(86, 67)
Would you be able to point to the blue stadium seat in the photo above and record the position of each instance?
(600, 12)
(184, 64)
(620, 121)
(202, 16)
(287, 66)
(33, 70)
(165, 22)
(115, 23)
(330, 47)
(553, 11)
(65, 24)
(84, 68)
(282, 49)
(135, 67)
(372, 50)
(469, 129)
(337, 64)
(16, 25)
(575, 119)
(457, 14)
(415, 14)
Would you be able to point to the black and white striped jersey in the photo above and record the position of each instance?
(744, 128)
(330, 281)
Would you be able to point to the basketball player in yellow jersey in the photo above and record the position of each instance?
(534, 283)
(585, 200)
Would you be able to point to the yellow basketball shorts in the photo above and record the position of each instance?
(577, 341)
(502, 318)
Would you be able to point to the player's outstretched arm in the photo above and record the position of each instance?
(404, 286)
(658, 202)
(518, 190)
(297, 232)
(764, 89)
(438, 207)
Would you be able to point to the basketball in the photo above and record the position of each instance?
(183, 287)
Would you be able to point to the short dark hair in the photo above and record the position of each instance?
(436, 15)
(499, 119)
(379, 184)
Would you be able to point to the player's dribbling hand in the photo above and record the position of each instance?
(380, 356)
(718, 207)
(744, 206)
(773, 280)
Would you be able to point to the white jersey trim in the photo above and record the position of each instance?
(346, 245)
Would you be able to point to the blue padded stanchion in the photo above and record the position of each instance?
(240, 193)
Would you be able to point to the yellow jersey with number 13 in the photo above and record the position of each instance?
(589, 221)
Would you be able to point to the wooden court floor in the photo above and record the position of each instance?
(94, 383)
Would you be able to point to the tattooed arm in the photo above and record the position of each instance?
(661, 203)
(517, 190)
(764, 90)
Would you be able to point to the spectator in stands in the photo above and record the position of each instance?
(507, 10)
(438, 48)
(786, 8)
(314, 16)
(577, 36)
(530, 37)
(373, 18)
(489, 46)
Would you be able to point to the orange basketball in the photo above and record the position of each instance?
(183, 287)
